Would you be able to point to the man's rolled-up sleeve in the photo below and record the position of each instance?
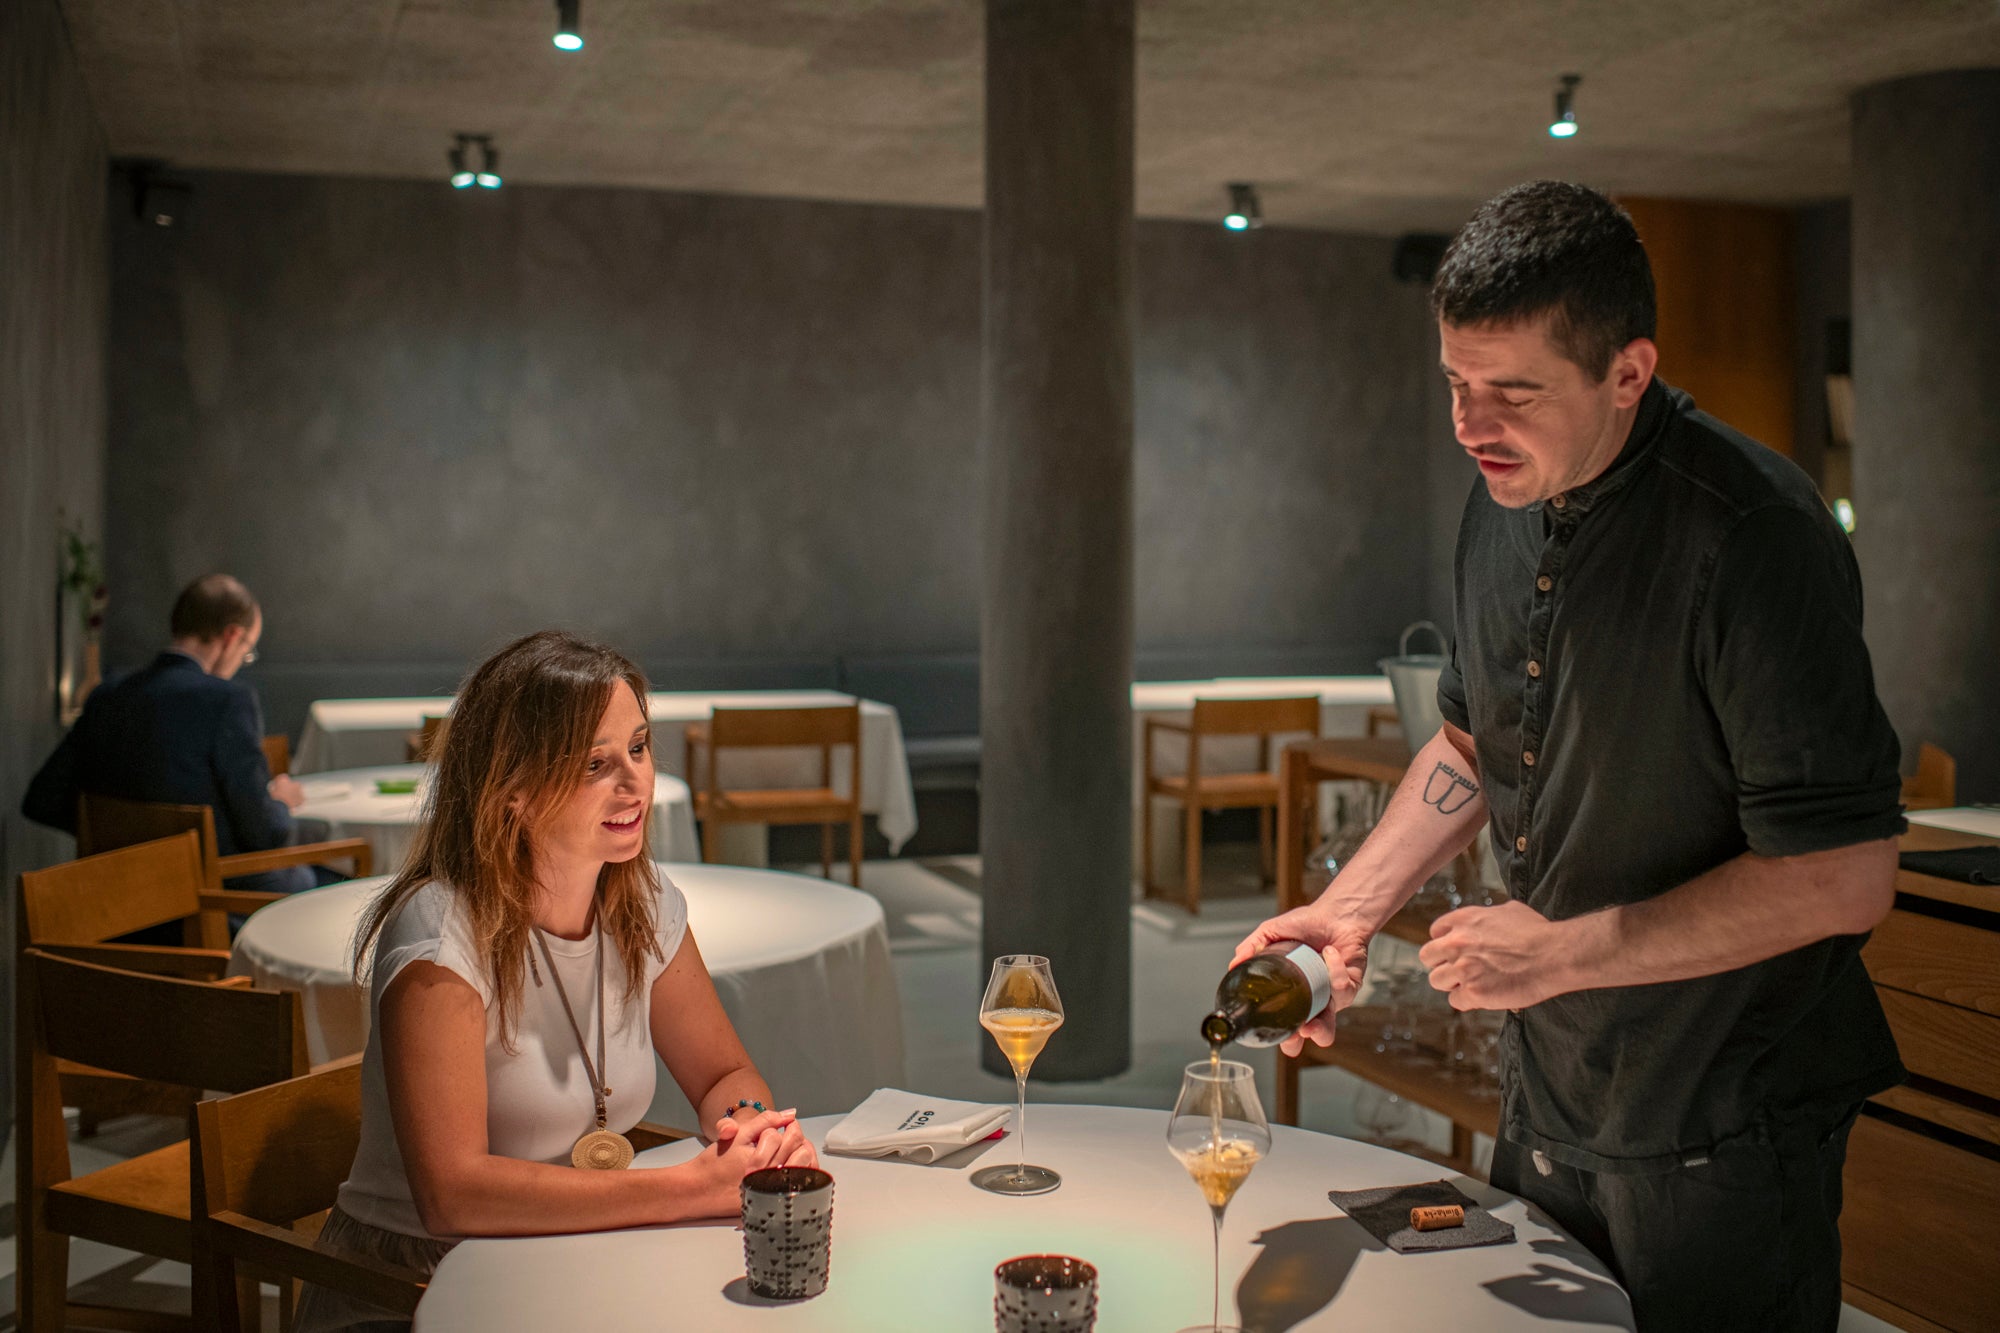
(1451, 691)
(1779, 650)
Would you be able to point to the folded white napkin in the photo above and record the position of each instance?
(917, 1128)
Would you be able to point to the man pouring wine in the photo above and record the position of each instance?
(1660, 707)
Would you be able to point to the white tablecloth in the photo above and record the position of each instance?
(1981, 819)
(802, 966)
(914, 1249)
(348, 804)
(354, 733)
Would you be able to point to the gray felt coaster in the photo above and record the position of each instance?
(1385, 1214)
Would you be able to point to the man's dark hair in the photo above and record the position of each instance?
(1551, 248)
(210, 605)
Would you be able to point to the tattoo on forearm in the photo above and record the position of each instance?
(1448, 789)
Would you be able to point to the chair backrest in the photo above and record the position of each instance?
(189, 1033)
(280, 1152)
(278, 754)
(769, 728)
(1256, 717)
(113, 893)
(107, 822)
(262, 1161)
(1935, 783)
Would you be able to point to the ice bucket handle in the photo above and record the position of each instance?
(1403, 644)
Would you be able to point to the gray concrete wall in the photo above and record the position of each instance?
(718, 430)
(1927, 408)
(52, 339)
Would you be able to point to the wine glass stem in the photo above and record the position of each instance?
(1021, 1123)
(1215, 1306)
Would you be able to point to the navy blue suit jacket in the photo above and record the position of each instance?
(170, 732)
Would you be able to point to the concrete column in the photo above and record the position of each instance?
(1056, 477)
(1927, 408)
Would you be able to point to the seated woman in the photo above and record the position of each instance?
(522, 969)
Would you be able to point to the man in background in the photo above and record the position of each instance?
(184, 731)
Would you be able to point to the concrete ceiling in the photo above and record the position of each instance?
(1372, 115)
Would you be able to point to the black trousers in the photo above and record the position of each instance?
(1749, 1239)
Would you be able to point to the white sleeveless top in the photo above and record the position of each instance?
(538, 1099)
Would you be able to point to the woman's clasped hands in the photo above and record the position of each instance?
(743, 1142)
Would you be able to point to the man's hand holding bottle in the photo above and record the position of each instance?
(1341, 941)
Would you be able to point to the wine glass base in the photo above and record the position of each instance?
(1016, 1179)
(1212, 1328)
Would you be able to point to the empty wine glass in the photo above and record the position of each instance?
(1384, 1117)
(1219, 1133)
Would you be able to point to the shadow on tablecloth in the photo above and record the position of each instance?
(1300, 1269)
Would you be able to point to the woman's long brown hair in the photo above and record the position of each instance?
(513, 750)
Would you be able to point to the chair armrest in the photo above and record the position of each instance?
(354, 850)
(646, 1135)
(377, 1281)
(237, 983)
(160, 959)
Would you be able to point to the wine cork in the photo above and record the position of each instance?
(1437, 1218)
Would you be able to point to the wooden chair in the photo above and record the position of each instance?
(268, 1165)
(160, 1029)
(778, 728)
(107, 822)
(76, 909)
(278, 754)
(417, 744)
(1196, 791)
(1935, 783)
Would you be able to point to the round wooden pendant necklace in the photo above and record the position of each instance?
(601, 1149)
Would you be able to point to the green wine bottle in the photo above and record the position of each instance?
(1269, 996)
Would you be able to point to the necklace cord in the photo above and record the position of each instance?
(599, 1090)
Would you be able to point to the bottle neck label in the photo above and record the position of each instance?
(1308, 961)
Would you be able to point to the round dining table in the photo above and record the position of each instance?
(914, 1249)
(801, 965)
(351, 803)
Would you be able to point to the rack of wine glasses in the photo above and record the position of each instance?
(1442, 1063)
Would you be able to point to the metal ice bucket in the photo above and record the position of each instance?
(1414, 678)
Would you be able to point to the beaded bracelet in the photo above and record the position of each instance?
(742, 1102)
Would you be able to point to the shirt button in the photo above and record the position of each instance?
(1560, 502)
(1535, 669)
(1528, 758)
(1545, 583)
(1520, 844)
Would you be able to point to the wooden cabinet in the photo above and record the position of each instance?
(1923, 1167)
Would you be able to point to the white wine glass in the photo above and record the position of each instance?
(1022, 1011)
(1219, 1133)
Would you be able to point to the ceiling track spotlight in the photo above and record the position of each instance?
(463, 174)
(1564, 125)
(569, 33)
(1245, 212)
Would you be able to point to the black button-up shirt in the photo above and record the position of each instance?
(1662, 669)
